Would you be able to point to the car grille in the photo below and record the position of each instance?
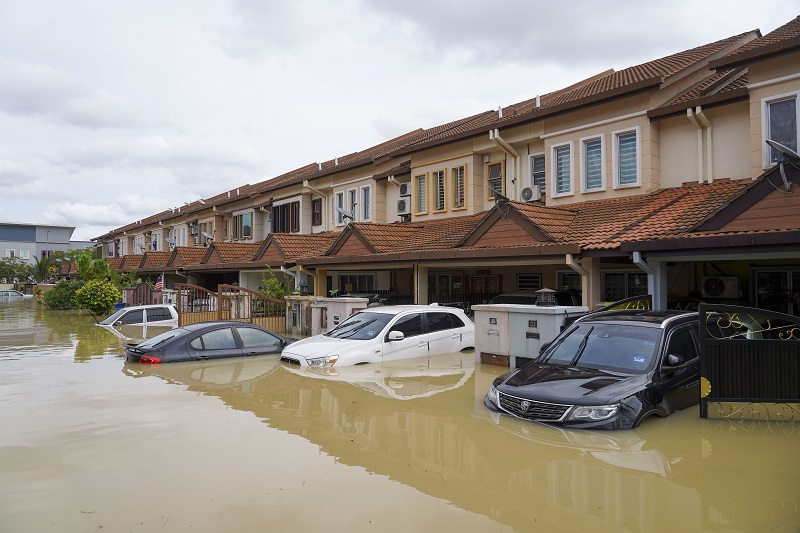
(531, 409)
(290, 360)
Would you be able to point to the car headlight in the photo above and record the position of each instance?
(593, 413)
(323, 361)
(493, 396)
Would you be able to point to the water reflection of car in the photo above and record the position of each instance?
(386, 333)
(207, 340)
(406, 379)
(217, 374)
(608, 370)
(153, 315)
(11, 294)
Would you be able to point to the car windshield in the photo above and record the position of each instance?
(113, 318)
(361, 326)
(615, 347)
(160, 339)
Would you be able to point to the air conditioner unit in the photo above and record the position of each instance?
(405, 189)
(530, 194)
(192, 230)
(404, 206)
(721, 287)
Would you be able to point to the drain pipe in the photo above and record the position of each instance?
(494, 136)
(693, 120)
(701, 117)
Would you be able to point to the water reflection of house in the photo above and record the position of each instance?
(653, 179)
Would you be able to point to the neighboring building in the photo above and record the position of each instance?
(27, 241)
(653, 179)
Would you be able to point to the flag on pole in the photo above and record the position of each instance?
(160, 283)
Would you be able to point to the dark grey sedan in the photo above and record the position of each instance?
(207, 340)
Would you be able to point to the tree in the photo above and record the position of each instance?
(43, 268)
(98, 296)
(90, 268)
(273, 287)
(14, 269)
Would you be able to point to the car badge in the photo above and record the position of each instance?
(524, 405)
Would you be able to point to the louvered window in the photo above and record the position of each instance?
(366, 203)
(537, 171)
(627, 160)
(592, 164)
(563, 170)
(422, 200)
(495, 179)
(458, 187)
(782, 126)
(438, 183)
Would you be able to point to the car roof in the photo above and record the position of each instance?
(397, 309)
(148, 306)
(659, 319)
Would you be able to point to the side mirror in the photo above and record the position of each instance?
(118, 323)
(396, 336)
(543, 347)
(673, 362)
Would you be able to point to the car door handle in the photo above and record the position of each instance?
(202, 357)
(421, 344)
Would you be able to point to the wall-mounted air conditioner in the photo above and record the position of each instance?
(721, 287)
(404, 206)
(192, 230)
(530, 194)
(405, 189)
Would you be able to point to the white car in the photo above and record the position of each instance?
(144, 315)
(11, 294)
(384, 334)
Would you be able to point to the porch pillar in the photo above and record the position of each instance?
(589, 269)
(321, 283)
(656, 279)
(420, 284)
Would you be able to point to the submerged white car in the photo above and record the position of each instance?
(143, 315)
(385, 334)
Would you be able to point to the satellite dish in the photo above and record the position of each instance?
(498, 195)
(207, 235)
(170, 240)
(787, 156)
(345, 214)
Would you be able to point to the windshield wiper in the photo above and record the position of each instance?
(354, 330)
(581, 347)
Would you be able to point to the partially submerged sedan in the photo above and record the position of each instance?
(207, 340)
(607, 371)
(386, 333)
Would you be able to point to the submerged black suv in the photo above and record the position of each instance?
(608, 370)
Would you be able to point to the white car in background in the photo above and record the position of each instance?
(11, 294)
(388, 333)
(144, 315)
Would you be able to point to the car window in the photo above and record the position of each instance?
(682, 344)
(157, 314)
(219, 339)
(440, 321)
(252, 337)
(409, 325)
(614, 347)
(161, 338)
(361, 326)
(133, 317)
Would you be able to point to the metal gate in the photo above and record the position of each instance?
(749, 364)
(142, 295)
(229, 302)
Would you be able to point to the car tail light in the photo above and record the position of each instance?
(149, 360)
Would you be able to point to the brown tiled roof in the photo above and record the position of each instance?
(184, 255)
(154, 261)
(130, 261)
(297, 246)
(723, 87)
(781, 40)
(115, 262)
(226, 252)
(429, 235)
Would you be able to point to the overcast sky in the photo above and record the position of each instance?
(111, 111)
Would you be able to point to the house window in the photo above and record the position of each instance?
(569, 281)
(225, 229)
(562, 169)
(537, 172)
(781, 125)
(339, 203)
(357, 283)
(529, 282)
(316, 212)
(626, 158)
(366, 203)
(11, 253)
(592, 164)
(484, 284)
(421, 190)
(352, 199)
(242, 226)
(286, 218)
(438, 187)
(619, 285)
(495, 179)
(444, 283)
(458, 174)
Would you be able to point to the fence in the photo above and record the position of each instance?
(229, 302)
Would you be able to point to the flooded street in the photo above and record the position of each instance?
(90, 443)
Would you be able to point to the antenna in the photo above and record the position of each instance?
(346, 214)
(170, 240)
(207, 235)
(787, 156)
(498, 195)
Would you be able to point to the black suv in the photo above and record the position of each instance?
(608, 370)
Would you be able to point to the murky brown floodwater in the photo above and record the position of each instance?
(88, 443)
